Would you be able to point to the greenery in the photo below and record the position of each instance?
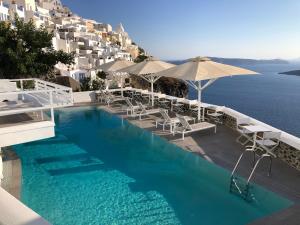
(85, 84)
(97, 85)
(27, 51)
(27, 84)
(141, 57)
(101, 75)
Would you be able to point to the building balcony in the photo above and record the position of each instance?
(27, 111)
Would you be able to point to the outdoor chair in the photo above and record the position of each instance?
(215, 114)
(110, 98)
(166, 120)
(100, 96)
(268, 142)
(129, 108)
(186, 128)
(244, 133)
(144, 110)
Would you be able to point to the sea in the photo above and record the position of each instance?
(269, 97)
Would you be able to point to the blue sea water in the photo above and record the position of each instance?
(269, 97)
(100, 169)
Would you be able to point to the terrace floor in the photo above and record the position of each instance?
(222, 149)
(20, 119)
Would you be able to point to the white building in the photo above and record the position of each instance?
(29, 5)
(4, 11)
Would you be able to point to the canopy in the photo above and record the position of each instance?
(202, 68)
(147, 70)
(114, 66)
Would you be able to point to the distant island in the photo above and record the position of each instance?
(240, 61)
(292, 72)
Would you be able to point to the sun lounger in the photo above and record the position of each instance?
(166, 120)
(186, 128)
(129, 108)
(144, 111)
(110, 98)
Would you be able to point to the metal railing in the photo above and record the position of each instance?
(40, 96)
(44, 91)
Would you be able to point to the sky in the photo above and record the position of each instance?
(181, 29)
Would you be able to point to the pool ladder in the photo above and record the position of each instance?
(236, 184)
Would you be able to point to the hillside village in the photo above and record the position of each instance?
(93, 43)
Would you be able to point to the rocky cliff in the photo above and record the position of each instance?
(169, 86)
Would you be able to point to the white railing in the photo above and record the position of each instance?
(61, 95)
(44, 96)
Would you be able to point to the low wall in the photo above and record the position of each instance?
(85, 96)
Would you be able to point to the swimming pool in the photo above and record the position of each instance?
(100, 169)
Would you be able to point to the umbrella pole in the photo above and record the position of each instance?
(152, 95)
(199, 100)
(122, 84)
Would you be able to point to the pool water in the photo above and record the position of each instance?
(100, 169)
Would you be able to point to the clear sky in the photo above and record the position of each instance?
(180, 29)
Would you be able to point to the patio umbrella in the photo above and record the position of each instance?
(114, 66)
(202, 68)
(147, 70)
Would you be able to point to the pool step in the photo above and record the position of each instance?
(240, 188)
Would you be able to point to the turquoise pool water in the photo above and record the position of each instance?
(102, 170)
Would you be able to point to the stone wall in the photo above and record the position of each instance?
(285, 152)
(289, 155)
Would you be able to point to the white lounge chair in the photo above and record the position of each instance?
(244, 133)
(100, 96)
(129, 108)
(166, 120)
(144, 111)
(110, 98)
(186, 128)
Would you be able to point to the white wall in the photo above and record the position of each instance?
(85, 96)
(14, 212)
(20, 134)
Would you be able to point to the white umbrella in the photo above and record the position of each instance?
(147, 70)
(114, 66)
(202, 68)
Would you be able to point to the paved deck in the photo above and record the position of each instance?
(20, 119)
(222, 149)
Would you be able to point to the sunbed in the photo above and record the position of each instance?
(166, 120)
(186, 128)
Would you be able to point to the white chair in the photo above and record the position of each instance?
(129, 108)
(113, 98)
(215, 113)
(244, 133)
(144, 111)
(166, 120)
(186, 128)
(269, 141)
